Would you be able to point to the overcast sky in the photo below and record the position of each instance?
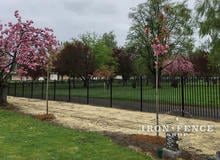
(69, 18)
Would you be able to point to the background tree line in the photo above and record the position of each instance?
(92, 55)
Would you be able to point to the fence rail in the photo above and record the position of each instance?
(186, 96)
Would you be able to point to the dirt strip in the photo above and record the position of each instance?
(204, 138)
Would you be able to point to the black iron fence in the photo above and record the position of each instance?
(186, 96)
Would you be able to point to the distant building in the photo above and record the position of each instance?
(54, 76)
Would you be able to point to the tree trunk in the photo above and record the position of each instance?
(3, 93)
(174, 82)
(74, 82)
(85, 83)
(153, 80)
(124, 82)
(107, 83)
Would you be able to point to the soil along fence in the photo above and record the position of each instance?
(183, 96)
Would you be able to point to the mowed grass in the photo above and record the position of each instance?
(24, 138)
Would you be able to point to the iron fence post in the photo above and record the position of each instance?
(54, 90)
(141, 89)
(22, 88)
(182, 96)
(8, 85)
(87, 95)
(69, 89)
(218, 110)
(15, 89)
(110, 81)
(42, 89)
(32, 88)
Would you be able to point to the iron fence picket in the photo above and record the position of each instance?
(54, 90)
(15, 89)
(42, 90)
(69, 90)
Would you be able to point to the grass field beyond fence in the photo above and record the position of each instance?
(195, 91)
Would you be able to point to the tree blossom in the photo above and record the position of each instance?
(146, 30)
(24, 47)
(105, 72)
(159, 48)
(178, 65)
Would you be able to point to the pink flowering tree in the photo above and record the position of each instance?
(23, 50)
(160, 47)
(165, 30)
(178, 65)
(105, 73)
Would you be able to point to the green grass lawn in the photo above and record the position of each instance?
(24, 138)
(197, 94)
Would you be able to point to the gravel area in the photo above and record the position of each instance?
(101, 119)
